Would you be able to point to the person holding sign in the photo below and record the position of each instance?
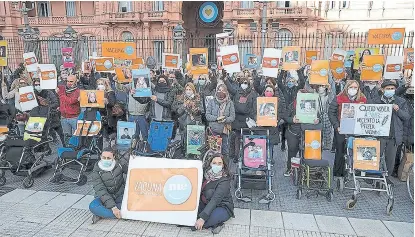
(400, 114)
(109, 119)
(162, 100)
(69, 97)
(350, 94)
(108, 183)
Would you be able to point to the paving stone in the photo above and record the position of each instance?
(301, 233)
(271, 219)
(53, 231)
(115, 234)
(334, 224)
(39, 198)
(64, 200)
(242, 217)
(43, 214)
(18, 210)
(16, 195)
(83, 203)
(234, 230)
(130, 227)
(255, 231)
(186, 232)
(104, 225)
(369, 228)
(71, 218)
(335, 235)
(88, 233)
(401, 229)
(296, 221)
(161, 230)
(21, 228)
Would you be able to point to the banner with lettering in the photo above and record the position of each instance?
(386, 36)
(48, 76)
(162, 190)
(271, 62)
(291, 57)
(393, 67)
(171, 61)
(3, 53)
(319, 72)
(337, 69)
(230, 58)
(198, 61)
(366, 119)
(310, 55)
(121, 50)
(408, 58)
(373, 67)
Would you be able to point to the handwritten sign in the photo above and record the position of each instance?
(386, 36)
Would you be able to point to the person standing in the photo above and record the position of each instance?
(69, 96)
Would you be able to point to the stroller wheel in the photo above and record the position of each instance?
(294, 177)
(329, 195)
(2, 181)
(350, 204)
(299, 194)
(82, 180)
(389, 207)
(28, 181)
(340, 184)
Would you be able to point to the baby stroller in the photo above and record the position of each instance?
(24, 156)
(314, 174)
(159, 141)
(254, 165)
(86, 142)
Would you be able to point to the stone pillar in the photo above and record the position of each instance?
(146, 35)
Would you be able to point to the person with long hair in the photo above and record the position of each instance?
(109, 121)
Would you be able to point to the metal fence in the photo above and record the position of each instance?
(48, 50)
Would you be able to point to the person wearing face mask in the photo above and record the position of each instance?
(162, 100)
(350, 94)
(69, 96)
(400, 115)
(109, 120)
(108, 183)
(216, 204)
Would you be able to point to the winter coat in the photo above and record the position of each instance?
(69, 104)
(217, 194)
(370, 94)
(212, 114)
(335, 109)
(107, 111)
(408, 131)
(290, 94)
(109, 185)
(166, 103)
(184, 114)
(53, 104)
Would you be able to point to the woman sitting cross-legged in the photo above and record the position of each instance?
(108, 181)
(216, 205)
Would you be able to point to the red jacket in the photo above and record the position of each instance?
(345, 99)
(69, 104)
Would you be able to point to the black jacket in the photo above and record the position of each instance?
(53, 104)
(218, 194)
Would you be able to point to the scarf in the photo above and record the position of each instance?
(70, 90)
(210, 176)
(162, 88)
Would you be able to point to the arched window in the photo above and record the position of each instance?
(127, 36)
(284, 38)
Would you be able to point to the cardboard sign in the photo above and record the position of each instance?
(104, 64)
(27, 98)
(86, 67)
(162, 190)
(124, 75)
(30, 61)
(171, 61)
(250, 61)
(270, 62)
(310, 55)
(366, 154)
(92, 98)
(372, 71)
(67, 58)
(199, 60)
(222, 39)
(230, 58)
(86, 128)
(195, 138)
(125, 132)
(408, 58)
(319, 72)
(359, 52)
(291, 57)
(386, 36)
(349, 58)
(48, 76)
(338, 55)
(366, 119)
(3, 53)
(121, 50)
(393, 67)
(337, 69)
(312, 144)
(141, 82)
(34, 128)
(255, 155)
(307, 107)
(4, 129)
(267, 111)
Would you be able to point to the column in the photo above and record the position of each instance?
(146, 30)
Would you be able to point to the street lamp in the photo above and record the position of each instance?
(178, 35)
(70, 34)
(228, 28)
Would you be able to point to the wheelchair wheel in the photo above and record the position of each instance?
(389, 207)
(28, 181)
(299, 194)
(82, 180)
(340, 184)
(329, 195)
(351, 203)
(2, 181)
(294, 176)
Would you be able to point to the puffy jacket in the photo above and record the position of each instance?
(53, 104)
(69, 104)
(212, 114)
(335, 109)
(109, 185)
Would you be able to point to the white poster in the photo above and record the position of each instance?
(30, 61)
(48, 76)
(27, 98)
(230, 58)
(271, 62)
(339, 55)
(162, 190)
(393, 67)
(366, 119)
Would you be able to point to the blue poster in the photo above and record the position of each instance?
(125, 132)
(349, 58)
(141, 82)
(208, 12)
(250, 61)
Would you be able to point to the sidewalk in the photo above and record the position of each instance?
(40, 213)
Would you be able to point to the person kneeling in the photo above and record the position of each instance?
(109, 184)
(216, 204)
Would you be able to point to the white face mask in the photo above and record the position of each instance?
(38, 89)
(244, 86)
(352, 91)
(101, 87)
(189, 94)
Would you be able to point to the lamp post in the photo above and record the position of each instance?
(30, 35)
(263, 27)
(178, 36)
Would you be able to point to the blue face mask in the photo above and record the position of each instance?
(290, 84)
(106, 163)
(389, 93)
(216, 168)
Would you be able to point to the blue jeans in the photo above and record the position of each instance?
(141, 125)
(218, 216)
(98, 209)
(68, 126)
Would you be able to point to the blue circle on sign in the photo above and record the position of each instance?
(397, 35)
(107, 64)
(377, 68)
(208, 12)
(173, 61)
(397, 67)
(30, 96)
(315, 144)
(323, 72)
(234, 58)
(274, 62)
(177, 189)
(313, 57)
(129, 50)
(339, 70)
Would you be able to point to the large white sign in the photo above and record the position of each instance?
(271, 62)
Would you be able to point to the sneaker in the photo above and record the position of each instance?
(287, 173)
(95, 219)
(216, 230)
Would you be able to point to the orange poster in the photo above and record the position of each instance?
(120, 50)
(84, 128)
(337, 69)
(319, 72)
(3, 53)
(171, 61)
(92, 98)
(267, 111)
(198, 61)
(104, 64)
(312, 144)
(291, 57)
(386, 36)
(366, 154)
(373, 67)
(408, 61)
(162, 189)
(270, 62)
(310, 56)
(124, 75)
(229, 59)
(27, 97)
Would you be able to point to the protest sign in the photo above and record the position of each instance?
(366, 154)
(30, 61)
(312, 144)
(359, 52)
(85, 128)
(319, 72)
(222, 39)
(408, 58)
(366, 119)
(310, 55)
(230, 58)
(255, 155)
(124, 75)
(373, 67)
(138, 63)
(86, 67)
(386, 36)
(48, 76)
(67, 58)
(250, 61)
(34, 128)
(171, 61)
(27, 98)
(270, 62)
(291, 57)
(337, 69)
(3, 53)
(141, 82)
(125, 132)
(349, 58)
(393, 67)
(121, 50)
(306, 107)
(34, 75)
(338, 55)
(104, 64)
(162, 190)
(199, 61)
(267, 110)
(195, 138)
(92, 98)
